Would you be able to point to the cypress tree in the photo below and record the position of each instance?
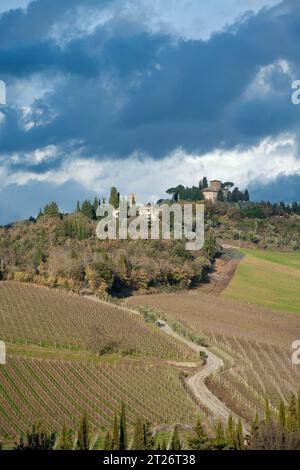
(83, 442)
(239, 436)
(148, 438)
(51, 209)
(282, 414)
(200, 441)
(268, 413)
(292, 414)
(219, 440)
(204, 183)
(123, 430)
(255, 424)
(114, 197)
(175, 441)
(220, 196)
(87, 209)
(115, 436)
(298, 409)
(95, 206)
(230, 433)
(108, 442)
(65, 441)
(138, 436)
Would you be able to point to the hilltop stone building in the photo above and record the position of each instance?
(211, 193)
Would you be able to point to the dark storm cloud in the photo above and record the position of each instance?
(35, 195)
(20, 26)
(124, 92)
(284, 188)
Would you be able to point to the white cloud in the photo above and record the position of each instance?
(6, 5)
(262, 83)
(189, 19)
(149, 178)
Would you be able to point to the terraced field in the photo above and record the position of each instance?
(48, 318)
(58, 391)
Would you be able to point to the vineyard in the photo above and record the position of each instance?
(253, 371)
(254, 343)
(37, 315)
(60, 391)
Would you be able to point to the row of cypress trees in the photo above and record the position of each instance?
(280, 430)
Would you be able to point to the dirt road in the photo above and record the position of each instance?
(197, 382)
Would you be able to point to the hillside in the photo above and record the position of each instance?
(54, 319)
(67, 354)
(254, 343)
(57, 391)
(267, 278)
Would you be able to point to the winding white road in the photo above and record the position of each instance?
(197, 382)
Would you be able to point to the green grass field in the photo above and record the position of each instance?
(267, 278)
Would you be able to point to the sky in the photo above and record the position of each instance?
(144, 95)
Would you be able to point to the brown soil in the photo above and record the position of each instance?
(218, 279)
(212, 314)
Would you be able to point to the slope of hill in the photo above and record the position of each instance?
(267, 278)
(254, 343)
(61, 391)
(52, 318)
(67, 355)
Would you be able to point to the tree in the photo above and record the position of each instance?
(210, 244)
(204, 183)
(39, 438)
(95, 206)
(114, 197)
(227, 185)
(175, 441)
(83, 440)
(123, 430)
(282, 414)
(148, 436)
(298, 409)
(115, 436)
(255, 424)
(108, 442)
(200, 440)
(230, 433)
(219, 440)
(65, 441)
(138, 436)
(268, 412)
(246, 196)
(239, 436)
(51, 210)
(220, 196)
(78, 209)
(87, 209)
(273, 437)
(292, 414)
